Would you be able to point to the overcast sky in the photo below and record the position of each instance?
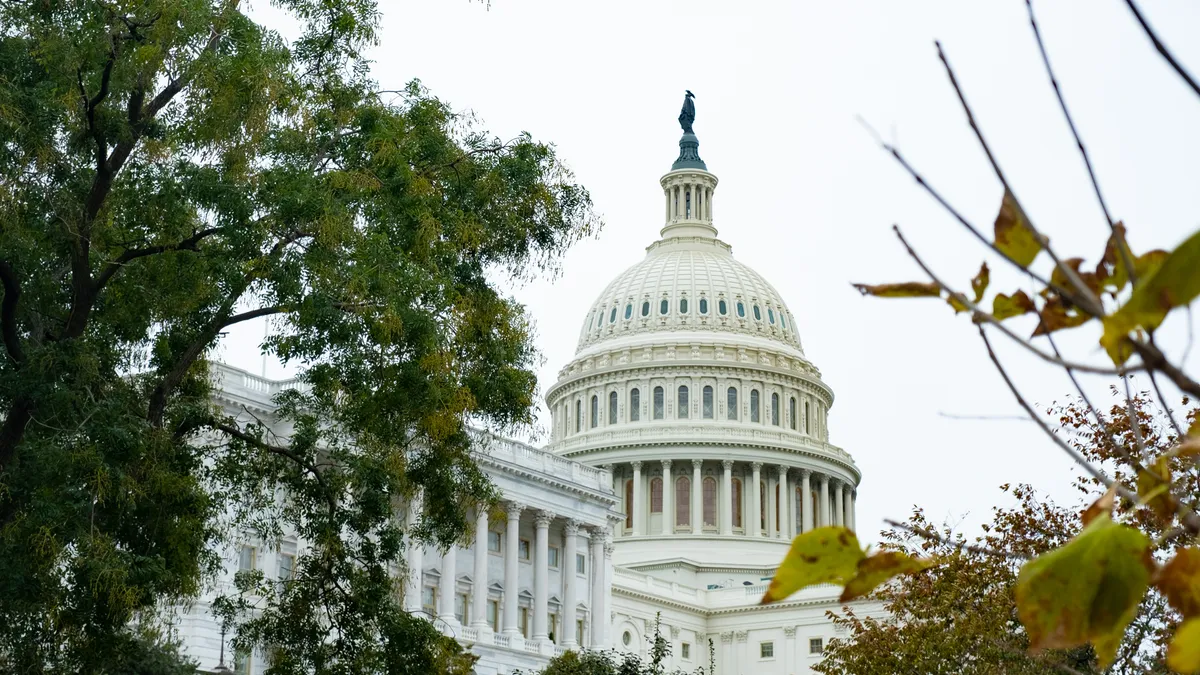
(807, 198)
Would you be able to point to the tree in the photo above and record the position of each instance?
(169, 169)
(621, 663)
(1088, 590)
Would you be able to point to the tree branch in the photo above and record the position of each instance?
(8, 312)
(189, 244)
(934, 536)
(282, 452)
(1162, 49)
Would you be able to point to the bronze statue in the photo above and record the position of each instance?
(688, 114)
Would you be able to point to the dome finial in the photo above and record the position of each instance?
(689, 145)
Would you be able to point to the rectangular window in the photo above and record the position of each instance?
(807, 418)
(731, 411)
(682, 411)
(460, 607)
(685, 651)
(635, 405)
(754, 416)
(494, 542)
(523, 621)
(429, 599)
(287, 564)
(707, 403)
(580, 564)
(579, 631)
(552, 627)
(816, 646)
(248, 559)
(552, 557)
(658, 403)
(493, 615)
(792, 412)
(612, 407)
(523, 549)
(766, 650)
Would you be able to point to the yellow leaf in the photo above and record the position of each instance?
(908, 289)
(1056, 315)
(1179, 581)
(1086, 591)
(1154, 488)
(1102, 506)
(1014, 237)
(1175, 282)
(980, 283)
(878, 569)
(826, 555)
(956, 303)
(1005, 306)
(1183, 655)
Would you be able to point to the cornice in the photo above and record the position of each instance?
(547, 479)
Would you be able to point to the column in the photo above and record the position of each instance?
(853, 506)
(727, 496)
(541, 575)
(789, 648)
(606, 591)
(569, 576)
(771, 505)
(785, 510)
(824, 505)
(839, 505)
(755, 498)
(479, 592)
(697, 497)
(511, 592)
(806, 509)
(599, 619)
(637, 498)
(446, 588)
(668, 503)
(412, 587)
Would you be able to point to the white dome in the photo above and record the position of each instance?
(704, 289)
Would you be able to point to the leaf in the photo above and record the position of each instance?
(1183, 655)
(1179, 581)
(955, 300)
(826, 555)
(908, 289)
(1102, 506)
(1086, 591)
(1014, 238)
(879, 568)
(980, 283)
(1056, 315)
(1154, 488)
(1008, 306)
(1173, 283)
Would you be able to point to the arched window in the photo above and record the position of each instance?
(707, 402)
(721, 307)
(628, 311)
(710, 502)
(757, 314)
(635, 405)
(762, 506)
(731, 406)
(741, 309)
(664, 306)
(798, 500)
(612, 316)
(595, 411)
(703, 306)
(578, 416)
(737, 502)
(682, 410)
(656, 495)
(683, 501)
(777, 528)
(792, 412)
(807, 418)
(683, 305)
(775, 409)
(612, 407)
(771, 315)
(658, 403)
(754, 417)
(628, 504)
(646, 308)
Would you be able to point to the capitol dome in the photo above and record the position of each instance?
(690, 384)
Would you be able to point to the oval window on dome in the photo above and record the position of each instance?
(782, 320)
(683, 305)
(757, 314)
(628, 311)
(771, 315)
(612, 316)
(646, 308)
(599, 318)
(664, 306)
(722, 308)
(741, 309)
(703, 306)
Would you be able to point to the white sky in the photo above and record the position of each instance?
(808, 200)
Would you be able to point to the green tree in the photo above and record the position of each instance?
(169, 169)
(621, 663)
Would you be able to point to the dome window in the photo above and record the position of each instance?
(635, 405)
(757, 314)
(664, 306)
(595, 411)
(703, 305)
(782, 320)
(754, 408)
(612, 407)
(683, 305)
(578, 416)
(741, 309)
(791, 409)
(646, 308)
(682, 412)
(612, 316)
(599, 318)
(722, 308)
(658, 403)
(771, 315)
(628, 311)
(707, 402)
(775, 409)
(731, 407)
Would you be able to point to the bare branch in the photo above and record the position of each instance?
(934, 536)
(1162, 49)
(1154, 359)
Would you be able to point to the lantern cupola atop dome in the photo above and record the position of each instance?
(688, 187)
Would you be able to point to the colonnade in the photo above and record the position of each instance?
(796, 499)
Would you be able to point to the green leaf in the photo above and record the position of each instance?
(1183, 655)
(826, 555)
(1174, 282)
(908, 289)
(1014, 237)
(1086, 591)
(1179, 581)
(1008, 306)
(879, 568)
(980, 283)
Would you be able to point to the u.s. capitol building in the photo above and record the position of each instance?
(689, 444)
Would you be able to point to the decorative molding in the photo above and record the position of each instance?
(542, 519)
(514, 509)
(727, 464)
(727, 637)
(741, 635)
(789, 631)
(571, 527)
(674, 632)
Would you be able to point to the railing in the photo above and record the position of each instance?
(501, 640)
(547, 462)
